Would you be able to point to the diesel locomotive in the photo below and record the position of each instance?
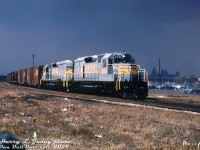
(109, 73)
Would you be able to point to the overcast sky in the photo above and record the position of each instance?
(56, 30)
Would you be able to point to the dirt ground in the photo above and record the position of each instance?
(42, 120)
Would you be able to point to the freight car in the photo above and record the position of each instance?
(27, 77)
(22, 77)
(34, 75)
(12, 77)
(107, 73)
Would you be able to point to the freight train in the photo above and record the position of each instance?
(109, 73)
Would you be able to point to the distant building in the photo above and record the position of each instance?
(164, 76)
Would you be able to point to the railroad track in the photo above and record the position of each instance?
(148, 102)
(154, 103)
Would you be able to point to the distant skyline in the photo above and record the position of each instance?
(56, 30)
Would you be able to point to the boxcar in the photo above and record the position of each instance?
(12, 77)
(22, 77)
(33, 76)
(30, 79)
(37, 74)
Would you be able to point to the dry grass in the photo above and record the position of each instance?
(86, 125)
(179, 98)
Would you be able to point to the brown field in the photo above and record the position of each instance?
(88, 125)
(179, 98)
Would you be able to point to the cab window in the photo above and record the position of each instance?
(104, 63)
(110, 61)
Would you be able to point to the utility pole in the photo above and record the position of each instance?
(159, 80)
(33, 58)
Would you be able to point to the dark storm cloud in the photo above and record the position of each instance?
(62, 29)
(168, 11)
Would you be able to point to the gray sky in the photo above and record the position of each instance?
(56, 30)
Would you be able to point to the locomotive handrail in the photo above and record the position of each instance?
(119, 83)
(143, 71)
(118, 86)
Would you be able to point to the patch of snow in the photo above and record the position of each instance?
(34, 135)
(98, 135)
(64, 109)
(161, 96)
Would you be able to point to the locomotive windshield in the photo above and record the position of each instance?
(125, 58)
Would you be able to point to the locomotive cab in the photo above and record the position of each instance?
(131, 80)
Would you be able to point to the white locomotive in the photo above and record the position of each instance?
(114, 73)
